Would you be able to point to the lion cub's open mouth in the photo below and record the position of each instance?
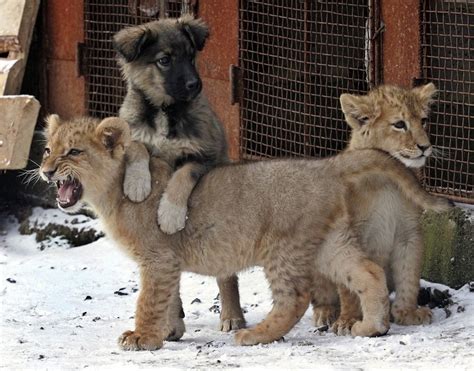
(69, 192)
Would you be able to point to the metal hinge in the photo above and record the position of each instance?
(81, 60)
(236, 85)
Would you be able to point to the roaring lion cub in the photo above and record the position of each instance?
(391, 119)
(291, 217)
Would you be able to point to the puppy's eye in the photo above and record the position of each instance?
(74, 152)
(165, 60)
(47, 152)
(424, 121)
(400, 125)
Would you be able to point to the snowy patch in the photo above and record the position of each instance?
(65, 308)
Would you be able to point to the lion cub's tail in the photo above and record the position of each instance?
(360, 163)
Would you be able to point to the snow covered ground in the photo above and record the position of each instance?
(63, 308)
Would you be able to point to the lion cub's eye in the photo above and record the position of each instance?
(400, 125)
(47, 152)
(424, 121)
(165, 60)
(363, 120)
(74, 152)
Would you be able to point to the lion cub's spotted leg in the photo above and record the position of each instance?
(174, 202)
(342, 260)
(232, 317)
(176, 326)
(158, 285)
(291, 296)
(137, 179)
(324, 300)
(406, 271)
(350, 312)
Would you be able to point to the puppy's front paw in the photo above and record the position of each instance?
(137, 181)
(133, 340)
(171, 217)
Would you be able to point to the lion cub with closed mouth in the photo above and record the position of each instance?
(289, 216)
(391, 119)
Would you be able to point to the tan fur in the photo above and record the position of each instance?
(387, 222)
(291, 217)
(198, 143)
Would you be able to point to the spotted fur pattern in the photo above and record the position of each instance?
(391, 119)
(292, 217)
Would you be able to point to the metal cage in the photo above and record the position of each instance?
(105, 88)
(297, 57)
(448, 61)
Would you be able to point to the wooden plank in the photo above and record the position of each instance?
(18, 115)
(17, 19)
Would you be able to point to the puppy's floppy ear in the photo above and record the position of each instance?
(130, 42)
(195, 29)
(357, 110)
(113, 132)
(52, 123)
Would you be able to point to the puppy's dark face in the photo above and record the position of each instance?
(159, 58)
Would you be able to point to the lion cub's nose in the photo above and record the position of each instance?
(49, 174)
(423, 148)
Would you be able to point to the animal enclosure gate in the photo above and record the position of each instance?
(447, 58)
(297, 57)
(105, 88)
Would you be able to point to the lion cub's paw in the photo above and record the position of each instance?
(230, 324)
(324, 315)
(137, 181)
(343, 326)
(416, 316)
(175, 330)
(171, 217)
(132, 340)
(246, 337)
(363, 328)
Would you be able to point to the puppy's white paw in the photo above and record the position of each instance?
(171, 217)
(137, 181)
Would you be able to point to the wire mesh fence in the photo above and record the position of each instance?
(448, 60)
(297, 57)
(105, 88)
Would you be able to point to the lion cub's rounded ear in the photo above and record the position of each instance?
(52, 123)
(426, 93)
(195, 29)
(113, 132)
(357, 109)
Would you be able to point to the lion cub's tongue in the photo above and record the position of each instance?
(65, 191)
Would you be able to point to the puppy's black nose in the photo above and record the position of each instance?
(192, 84)
(423, 148)
(49, 174)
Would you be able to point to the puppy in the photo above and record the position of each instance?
(167, 111)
